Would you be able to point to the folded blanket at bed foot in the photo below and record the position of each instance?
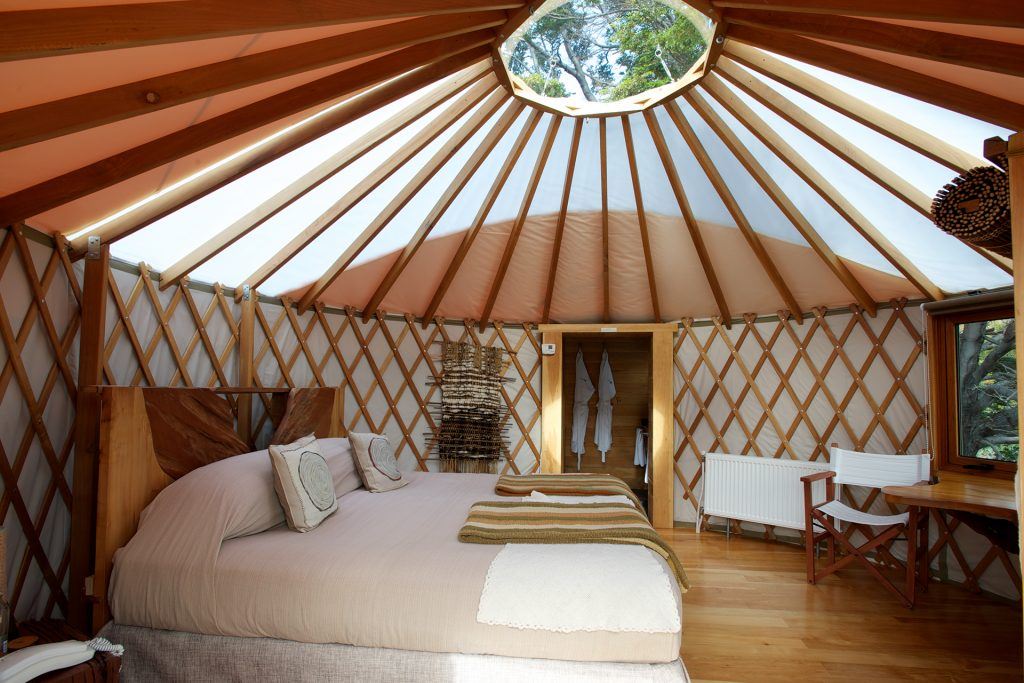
(586, 484)
(500, 522)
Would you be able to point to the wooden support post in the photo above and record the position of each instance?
(87, 423)
(662, 446)
(1015, 155)
(551, 406)
(246, 339)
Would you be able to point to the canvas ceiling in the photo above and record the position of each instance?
(502, 263)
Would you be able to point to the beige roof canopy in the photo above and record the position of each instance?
(375, 155)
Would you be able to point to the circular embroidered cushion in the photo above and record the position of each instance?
(375, 460)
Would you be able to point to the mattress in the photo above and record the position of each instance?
(385, 571)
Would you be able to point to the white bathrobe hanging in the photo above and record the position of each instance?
(580, 408)
(605, 394)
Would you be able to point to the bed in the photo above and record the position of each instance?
(381, 590)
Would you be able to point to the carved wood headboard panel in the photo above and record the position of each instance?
(150, 436)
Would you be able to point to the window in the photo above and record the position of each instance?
(579, 55)
(973, 372)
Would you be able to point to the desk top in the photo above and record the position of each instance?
(957, 491)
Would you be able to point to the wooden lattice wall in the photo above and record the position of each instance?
(838, 377)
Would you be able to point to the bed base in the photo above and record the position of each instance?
(172, 656)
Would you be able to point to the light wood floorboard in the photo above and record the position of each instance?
(750, 615)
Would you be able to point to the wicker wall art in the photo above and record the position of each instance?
(975, 207)
(471, 434)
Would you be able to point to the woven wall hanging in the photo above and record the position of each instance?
(471, 434)
(975, 208)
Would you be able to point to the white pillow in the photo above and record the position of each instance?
(303, 483)
(376, 462)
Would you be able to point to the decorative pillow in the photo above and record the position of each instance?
(376, 462)
(303, 483)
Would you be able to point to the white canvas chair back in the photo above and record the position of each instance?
(876, 470)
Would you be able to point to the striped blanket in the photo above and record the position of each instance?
(565, 485)
(500, 522)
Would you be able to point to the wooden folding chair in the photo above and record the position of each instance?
(823, 521)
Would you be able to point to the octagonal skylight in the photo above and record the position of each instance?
(597, 56)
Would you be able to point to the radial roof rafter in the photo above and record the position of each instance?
(330, 167)
(408, 191)
(641, 217)
(517, 227)
(454, 190)
(556, 246)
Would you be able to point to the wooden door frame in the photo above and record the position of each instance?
(662, 487)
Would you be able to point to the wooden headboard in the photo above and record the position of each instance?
(151, 436)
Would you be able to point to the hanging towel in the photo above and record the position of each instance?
(641, 452)
(605, 394)
(580, 407)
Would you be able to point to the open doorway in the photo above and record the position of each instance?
(629, 358)
(642, 367)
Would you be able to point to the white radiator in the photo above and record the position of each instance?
(753, 489)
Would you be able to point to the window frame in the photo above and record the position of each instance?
(943, 411)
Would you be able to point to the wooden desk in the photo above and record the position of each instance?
(985, 504)
(963, 492)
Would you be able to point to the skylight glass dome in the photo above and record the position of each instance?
(596, 56)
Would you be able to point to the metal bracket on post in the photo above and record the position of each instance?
(246, 292)
(92, 247)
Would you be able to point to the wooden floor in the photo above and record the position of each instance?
(750, 615)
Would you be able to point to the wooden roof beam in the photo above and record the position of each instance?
(480, 154)
(939, 46)
(857, 109)
(517, 226)
(556, 248)
(785, 204)
(29, 34)
(356, 194)
(939, 92)
(641, 216)
(835, 143)
(817, 182)
(721, 187)
(688, 220)
(826, 136)
(442, 156)
(275, 146)
(71, 114)
(52, 193)
(492, 195)
(986, 12)
(327, 169)
(605, 274)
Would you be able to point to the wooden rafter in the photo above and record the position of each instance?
(961, 50)
(173, 146)
(605, 274)
(986, 12)
(60, 117)
(874, 169)
(641, 217)
(810, 175)
(722, 188)
(458, 183)
(873, 117)
(688, 219)
(556, 248)
(485, 208)
(357, 193)
(517, 226)
(785, 204)
(322, 172)
(276, 146)
(442, 156)
(888, 179)
(48, 32)
(939, 92)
